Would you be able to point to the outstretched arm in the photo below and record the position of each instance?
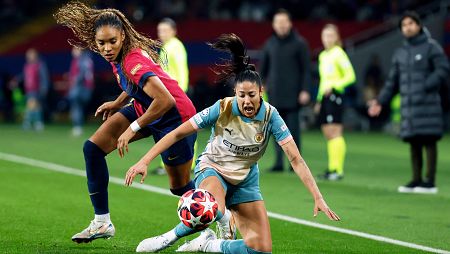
(140, 168)
(302, 170)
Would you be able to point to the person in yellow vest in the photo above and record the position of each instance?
(174, 52)
(336, 73)
(174, 57)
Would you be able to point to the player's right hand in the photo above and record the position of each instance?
(321, 205)
(107, 108)
(140, 168)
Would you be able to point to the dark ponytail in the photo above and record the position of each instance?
(239, 67)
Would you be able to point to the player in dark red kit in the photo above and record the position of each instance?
(158, 106)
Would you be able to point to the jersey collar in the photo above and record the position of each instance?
(259, 116)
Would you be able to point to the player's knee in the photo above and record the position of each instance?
(90, 149)
(256, 245)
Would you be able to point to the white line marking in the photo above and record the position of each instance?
(116, 180)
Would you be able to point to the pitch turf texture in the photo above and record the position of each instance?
(41, 209)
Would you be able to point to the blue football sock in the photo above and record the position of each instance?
(97, 176)
(182, 230)
(238, 247)
(180, 191)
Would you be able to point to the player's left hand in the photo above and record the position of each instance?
(321, 205)
(140, 168)
(124, 139)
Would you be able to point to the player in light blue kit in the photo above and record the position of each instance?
(241, 127)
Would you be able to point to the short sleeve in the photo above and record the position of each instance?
(206, 117)
(279, 129)
(139, 66)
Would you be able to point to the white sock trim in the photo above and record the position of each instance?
(102, 218)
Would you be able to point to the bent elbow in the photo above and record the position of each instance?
(171, 102)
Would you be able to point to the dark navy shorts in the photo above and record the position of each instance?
(332, 109)
(179, 153)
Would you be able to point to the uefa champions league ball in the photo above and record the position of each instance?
(197, 209)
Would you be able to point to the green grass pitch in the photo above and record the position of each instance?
(40, 209)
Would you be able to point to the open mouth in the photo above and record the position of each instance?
(248, 110)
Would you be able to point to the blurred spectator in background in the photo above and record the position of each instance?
(285, 69)
(373, 78)
(419, 69)
(6, 97)
(373, 82)
(174, 53)
(174, 57)
(81, 82)
(36, 85)
(336, 73)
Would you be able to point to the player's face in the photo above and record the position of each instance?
(409, 27)
(329, 38)
(109, 42)
(165, 32)
(248, 96)
(281, 24)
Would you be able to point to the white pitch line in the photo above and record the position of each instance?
(120, 181)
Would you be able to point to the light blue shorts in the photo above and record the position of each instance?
(246, 191)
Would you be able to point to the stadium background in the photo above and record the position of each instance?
(36, 199)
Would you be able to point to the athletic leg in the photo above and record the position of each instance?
(154, 244)
(253, 224)
(101, 143)
(336, 148)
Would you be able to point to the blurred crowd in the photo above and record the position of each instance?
(259, 10)
(14, 12)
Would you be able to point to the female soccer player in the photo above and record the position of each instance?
(241, 127)
(158, 106)
(336, 73)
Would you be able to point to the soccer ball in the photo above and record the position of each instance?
(197, 209)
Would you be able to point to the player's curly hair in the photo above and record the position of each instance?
(84, 22)
(239, 67)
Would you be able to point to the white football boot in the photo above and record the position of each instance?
(154, 244)
(95, 230)
(200, 243)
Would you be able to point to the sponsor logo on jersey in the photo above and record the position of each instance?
(259, 137)
(136, 68)
(241, 150)
(283, 127)
(229, 131)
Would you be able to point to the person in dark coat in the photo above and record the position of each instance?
(285, 69)
(419, 69)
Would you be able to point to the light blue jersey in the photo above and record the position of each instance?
(237, 142)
